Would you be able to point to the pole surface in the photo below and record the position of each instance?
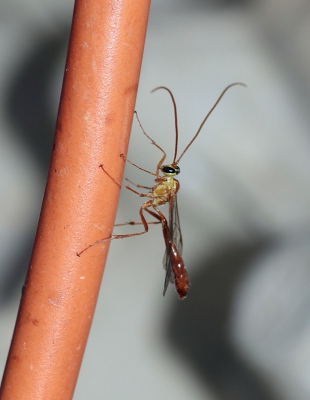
(93, 126)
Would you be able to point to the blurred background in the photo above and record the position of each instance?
(244, 330)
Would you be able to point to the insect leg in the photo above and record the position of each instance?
(137, 223)
(164, 224)
(121, 185)
(126, 159)
(166, 234)
(141, 223)
(160, 220)
(144, 206)
(138, 186)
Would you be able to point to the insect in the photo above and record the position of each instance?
(164, 191)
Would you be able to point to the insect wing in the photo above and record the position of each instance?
(175, 226)
(175, 237)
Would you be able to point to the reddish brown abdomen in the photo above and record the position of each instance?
(180, 274)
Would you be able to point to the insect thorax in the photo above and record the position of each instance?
(166, 188)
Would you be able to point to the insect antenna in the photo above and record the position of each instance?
(175, 121)
(154, 143)
(207, 116)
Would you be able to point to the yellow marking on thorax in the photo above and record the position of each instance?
(163, 190)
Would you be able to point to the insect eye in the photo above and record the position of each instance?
(177, 170)
(170, 170)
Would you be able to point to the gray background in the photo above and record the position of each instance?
(244, 330)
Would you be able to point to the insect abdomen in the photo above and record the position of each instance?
(180, 274)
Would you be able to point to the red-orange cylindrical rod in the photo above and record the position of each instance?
(80, 201)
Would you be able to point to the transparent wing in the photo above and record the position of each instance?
(175, 237)
(175, 226)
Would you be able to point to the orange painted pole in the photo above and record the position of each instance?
(80, 201)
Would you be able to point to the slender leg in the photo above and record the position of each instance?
(159, 217)
(126, 159)
(138, 186)
(144, 206)
(138, 223)
(121, 185)
(142, 169)
(164, 223)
